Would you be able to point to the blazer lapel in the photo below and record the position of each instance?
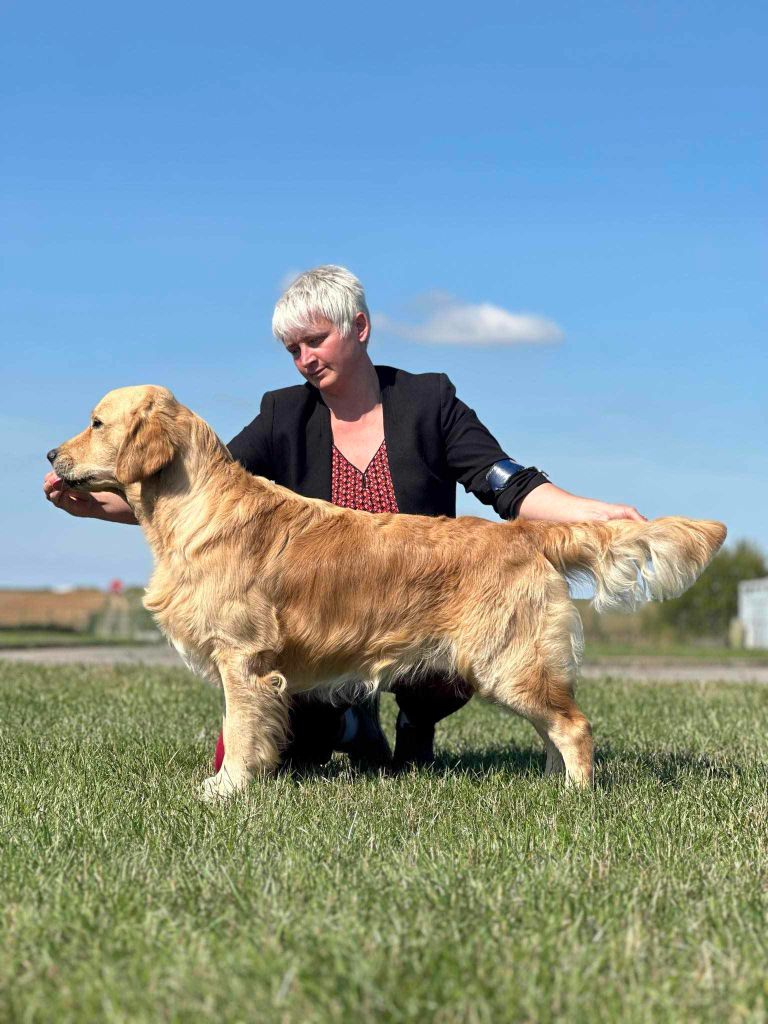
(395, 427)
(317, 470)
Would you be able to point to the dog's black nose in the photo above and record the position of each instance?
(52, 455)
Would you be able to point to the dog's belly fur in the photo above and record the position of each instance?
(352, 665)
(342, 678)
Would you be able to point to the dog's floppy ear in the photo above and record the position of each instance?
(151, 441)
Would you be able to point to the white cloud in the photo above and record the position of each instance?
(450, 322)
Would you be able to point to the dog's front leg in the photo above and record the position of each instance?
(255, 726)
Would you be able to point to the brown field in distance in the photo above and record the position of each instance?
(72, 609)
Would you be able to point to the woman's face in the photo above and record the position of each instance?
(325, 358)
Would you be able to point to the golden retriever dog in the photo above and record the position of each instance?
(268, 594)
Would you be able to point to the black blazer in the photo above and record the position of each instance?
(433, 441)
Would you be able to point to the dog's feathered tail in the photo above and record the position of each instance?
(629, 562)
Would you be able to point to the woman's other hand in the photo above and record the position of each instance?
(551, 504)
(602, 510)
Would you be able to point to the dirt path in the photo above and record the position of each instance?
(645, 670)
(154, 655)
(642, 669)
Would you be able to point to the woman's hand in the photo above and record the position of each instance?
(550, 503)
(602, 510)
(76, 503)
(99, 505)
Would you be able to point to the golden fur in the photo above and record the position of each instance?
(267, 593)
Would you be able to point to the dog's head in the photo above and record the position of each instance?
(134, 432)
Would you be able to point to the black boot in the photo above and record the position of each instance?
(421, 707)
(314, 728)
(414, 744)
(367, 747)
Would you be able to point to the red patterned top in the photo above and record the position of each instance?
(371, 491)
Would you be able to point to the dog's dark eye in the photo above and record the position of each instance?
(96, 424)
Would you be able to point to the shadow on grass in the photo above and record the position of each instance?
(477, 763)
(614, 767)
(673, 768)
(509, 760)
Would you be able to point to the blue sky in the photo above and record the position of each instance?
(600, 166)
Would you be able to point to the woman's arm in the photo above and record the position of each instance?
(555, 505)
(471, 450)
(252, 447)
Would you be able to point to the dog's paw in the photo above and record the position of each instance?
(221, 786)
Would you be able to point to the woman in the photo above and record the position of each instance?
(376, 439)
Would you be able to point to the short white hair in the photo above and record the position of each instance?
(328, 291)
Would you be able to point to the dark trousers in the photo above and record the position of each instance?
(431, 699)
(316, 725)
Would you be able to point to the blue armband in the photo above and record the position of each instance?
(500, 475)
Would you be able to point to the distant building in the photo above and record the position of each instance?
(753, 612)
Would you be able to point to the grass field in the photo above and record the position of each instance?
(475, 893)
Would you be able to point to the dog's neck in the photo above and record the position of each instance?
(195, 498)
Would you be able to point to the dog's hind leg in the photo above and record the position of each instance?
(546, 700)
(255, 725)
(568, 738)
(534, 676)
(555, 764)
